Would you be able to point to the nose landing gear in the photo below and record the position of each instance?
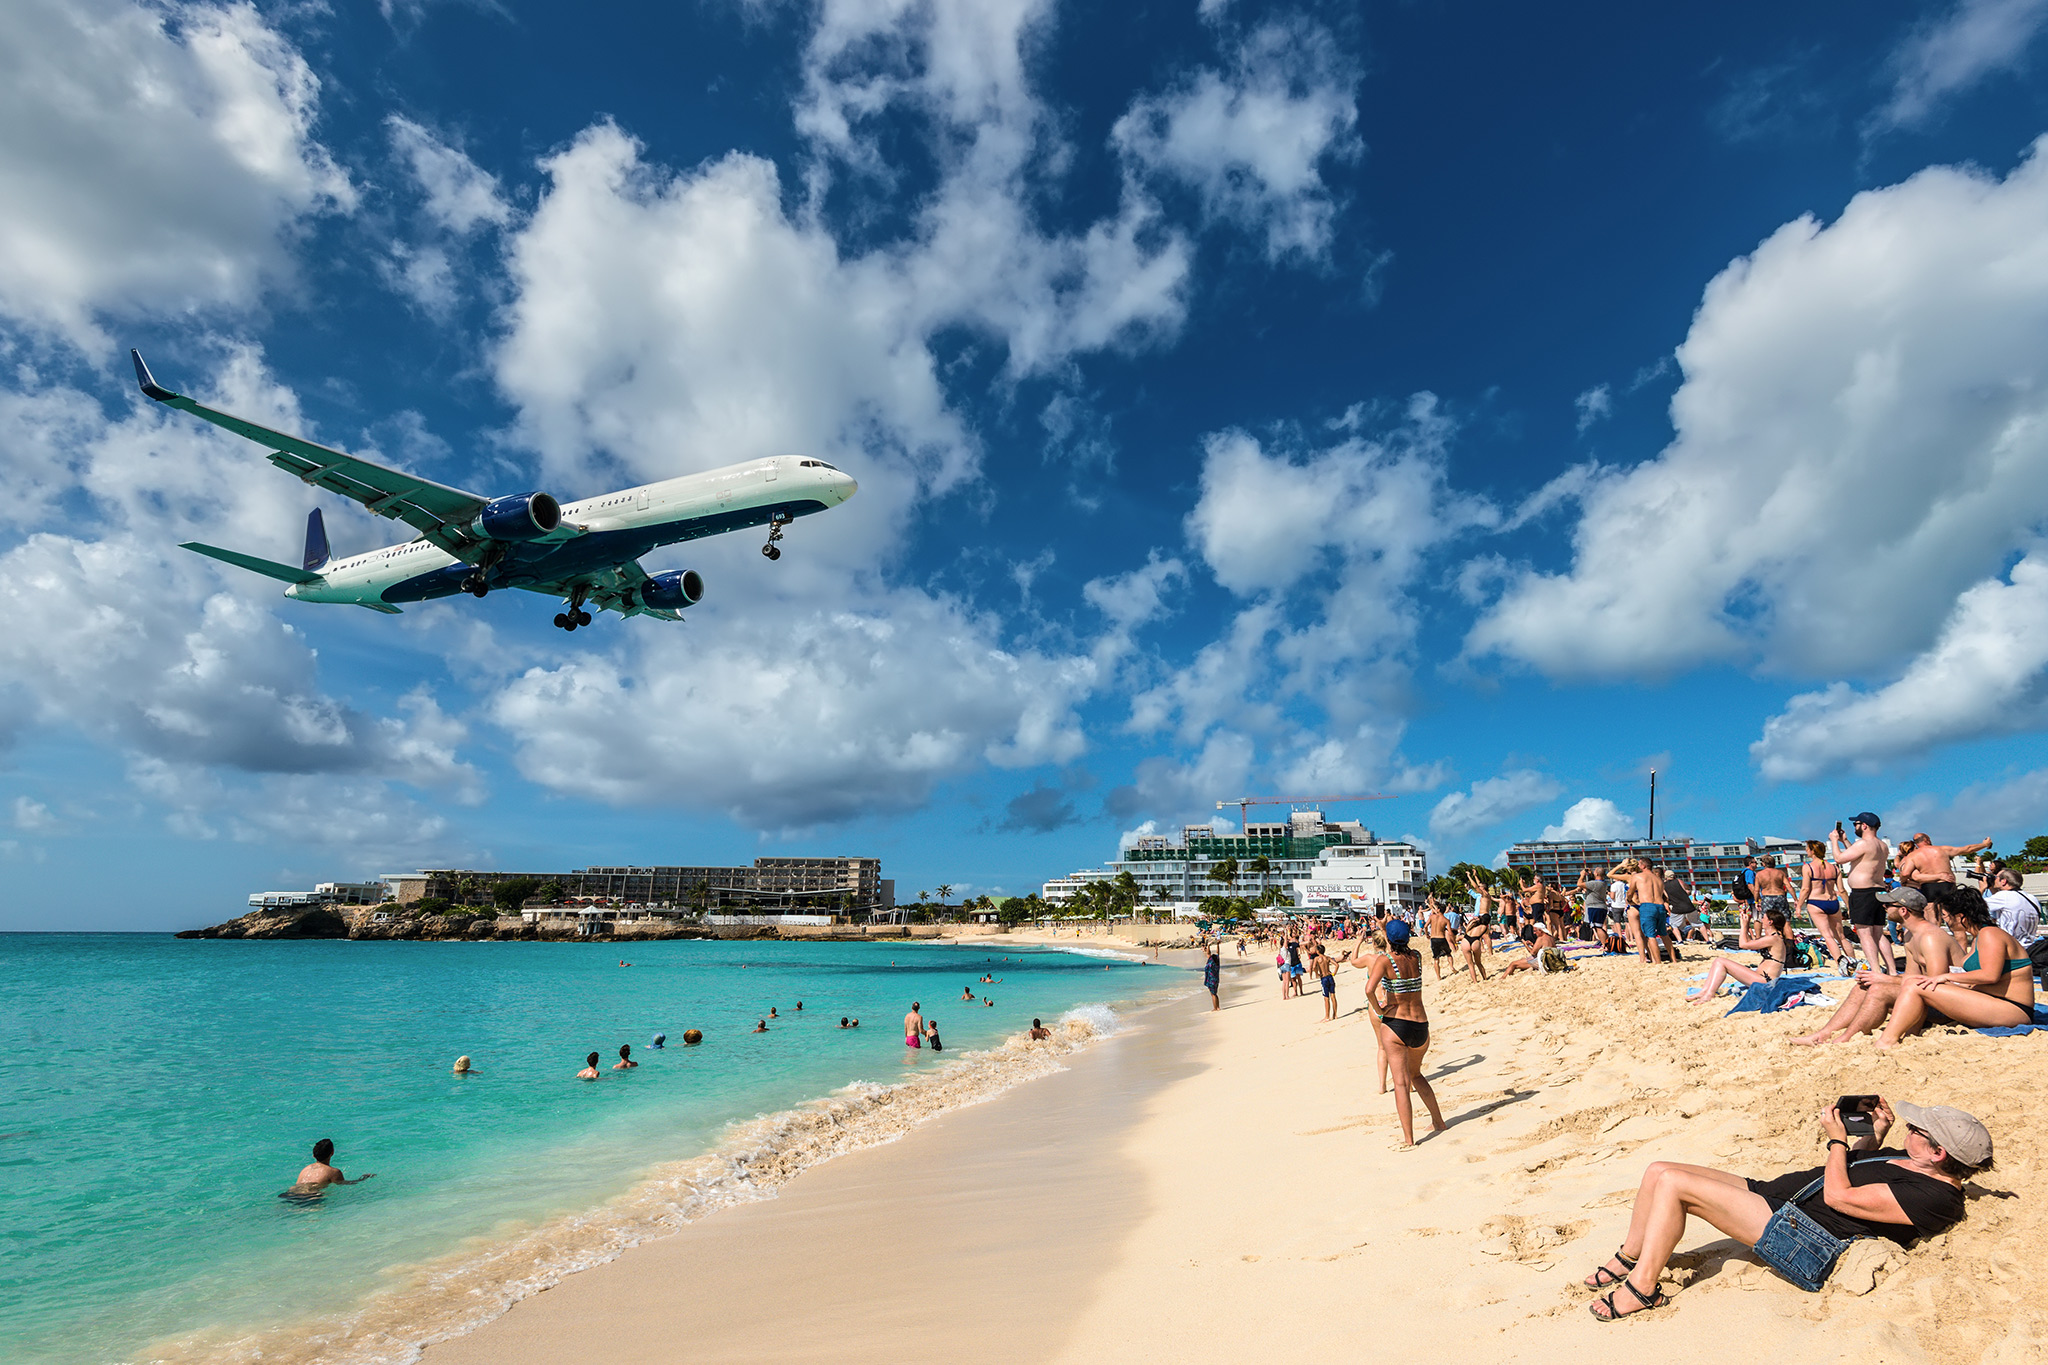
(775, 525)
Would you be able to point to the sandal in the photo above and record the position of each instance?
(1658, 1298)
(1603, 1277)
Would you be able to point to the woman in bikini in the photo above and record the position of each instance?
(1994, 989)
(1773, 944)
(1399, 1021)
(1818, 893)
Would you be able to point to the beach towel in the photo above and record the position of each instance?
(2040, 1025)
(1768, 997)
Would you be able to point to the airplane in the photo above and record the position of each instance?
(584, 552)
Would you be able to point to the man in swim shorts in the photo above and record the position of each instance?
(1326, 973)
(913, 1027)
(1862, 864)
(1439, 926)
(1773, 891)
(1652, 918)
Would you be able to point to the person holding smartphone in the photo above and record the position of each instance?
(1798, 1223)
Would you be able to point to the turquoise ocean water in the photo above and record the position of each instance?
(156, 1094)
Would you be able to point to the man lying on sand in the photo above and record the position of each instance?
(1799, 1223)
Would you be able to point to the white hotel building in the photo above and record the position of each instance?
(1322, 865)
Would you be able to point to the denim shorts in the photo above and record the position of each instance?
(1798, 1248)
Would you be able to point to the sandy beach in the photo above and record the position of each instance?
(1216, 1187)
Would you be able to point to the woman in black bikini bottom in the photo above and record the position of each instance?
(1399, 1021)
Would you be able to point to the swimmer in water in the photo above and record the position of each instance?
(1039, 1030)
(966, 992)
(625, 1062)
(589, 1071)
(771, 1011)
(660, 1041)
(760, 1026)
(799, 1004)
(314, 1179)
(463, 1068)
(843, 1023)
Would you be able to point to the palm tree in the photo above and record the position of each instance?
(1225, 872)
(945, 893)
(1262, 866)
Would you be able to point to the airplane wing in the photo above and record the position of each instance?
(442, 514)
(614, 589)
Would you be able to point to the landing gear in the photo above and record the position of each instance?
(575, 616)
(775, 525)
(476, 585)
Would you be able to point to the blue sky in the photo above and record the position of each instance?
(1474, 404)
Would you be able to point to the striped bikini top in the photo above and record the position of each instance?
(1403, 985)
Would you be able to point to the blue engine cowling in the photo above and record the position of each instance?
(682, 588)
(523, 516)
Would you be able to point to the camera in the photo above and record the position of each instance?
(1856, 1112)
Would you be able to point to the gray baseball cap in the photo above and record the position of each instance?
(1905, 897)
(1959, 1134)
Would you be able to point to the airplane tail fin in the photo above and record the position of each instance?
(316, 541)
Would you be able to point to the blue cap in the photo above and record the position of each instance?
(1397, 932)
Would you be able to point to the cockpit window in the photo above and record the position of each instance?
(816, 464)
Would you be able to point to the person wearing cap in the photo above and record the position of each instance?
(1399, 1022)
(2019, 914)
(1862, 864)
(1864, 1189)
(1930, 951)
(1994, 987)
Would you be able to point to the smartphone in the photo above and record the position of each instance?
(1856, 1111)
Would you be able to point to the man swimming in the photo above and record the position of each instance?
(625, 1062)
(317, 1177)
(589, 1071)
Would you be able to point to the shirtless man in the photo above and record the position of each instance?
(1862, 864)
(913, 1027)
(1773, 890)
(589, 1071)
(1930, 951)
(1653, 922)
(1925, 864)
(1439, 927)
(1326, 976)
(318, 1176)
(1039, 1031)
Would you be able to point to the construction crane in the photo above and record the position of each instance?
(1245, 803)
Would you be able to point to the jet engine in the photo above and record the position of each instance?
(676, 590)
(523, 516)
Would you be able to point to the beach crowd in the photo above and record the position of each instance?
(1914, 934)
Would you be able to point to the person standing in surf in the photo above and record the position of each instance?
(913, 1027)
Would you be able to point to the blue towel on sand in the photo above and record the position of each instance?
(1769, 997)
(2013, 1030)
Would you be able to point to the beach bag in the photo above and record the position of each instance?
(1553, 960)
(1798, 1248)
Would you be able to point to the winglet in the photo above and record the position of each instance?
(150, 388)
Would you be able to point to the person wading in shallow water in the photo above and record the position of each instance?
(318, 1176)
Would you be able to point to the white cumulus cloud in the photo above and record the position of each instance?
(154, 159)
(1491, 801)
(1987, 673)
(1252, 141)
(1593, 817)
(1861, 434)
